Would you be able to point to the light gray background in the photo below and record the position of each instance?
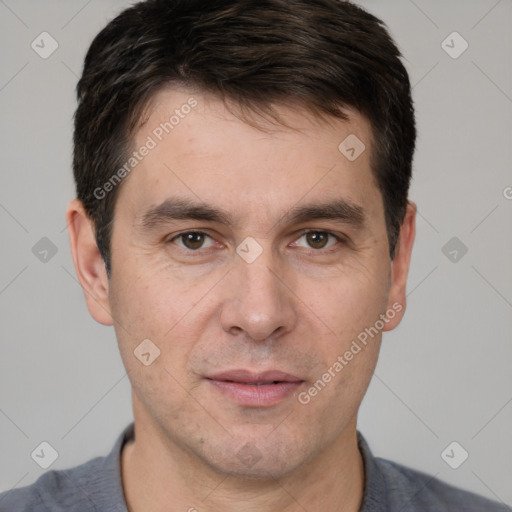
(443, 375)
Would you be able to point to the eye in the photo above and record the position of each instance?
(193, 240)
(318, 239)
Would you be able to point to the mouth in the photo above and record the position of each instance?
(256, 383)
(251, 389)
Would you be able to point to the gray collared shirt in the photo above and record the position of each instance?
(96, 487)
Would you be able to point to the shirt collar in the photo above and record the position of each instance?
(375, 495)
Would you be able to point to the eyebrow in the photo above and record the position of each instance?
(339, 210)
(182, 209)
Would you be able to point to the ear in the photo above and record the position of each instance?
(400, 267)
(89, 264)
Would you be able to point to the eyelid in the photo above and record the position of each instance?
(172, 239)
(341, 239)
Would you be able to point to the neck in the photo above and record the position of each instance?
(156, 472)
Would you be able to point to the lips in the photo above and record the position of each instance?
(247, 377)
(251, 389)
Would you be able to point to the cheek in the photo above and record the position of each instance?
(347, 310)
(150, 299)
(152, 303)
(153, 308)
(347, 303)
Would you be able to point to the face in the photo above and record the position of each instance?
(253, 260)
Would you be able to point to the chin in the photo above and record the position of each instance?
(259, 472)
(257, 460)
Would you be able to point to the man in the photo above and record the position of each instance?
(242, 220)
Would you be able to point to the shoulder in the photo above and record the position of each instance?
(418, 491)
(392, 487)
(56, 490)
(93, 486)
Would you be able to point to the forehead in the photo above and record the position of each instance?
(199, 149)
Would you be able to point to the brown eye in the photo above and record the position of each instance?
(192, 240)
(317, 239)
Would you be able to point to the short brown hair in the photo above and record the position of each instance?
(325, 55)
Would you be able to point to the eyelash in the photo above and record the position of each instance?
(341, 240)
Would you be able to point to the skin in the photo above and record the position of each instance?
(296, 308)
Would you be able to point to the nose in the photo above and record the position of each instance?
(258, 302)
